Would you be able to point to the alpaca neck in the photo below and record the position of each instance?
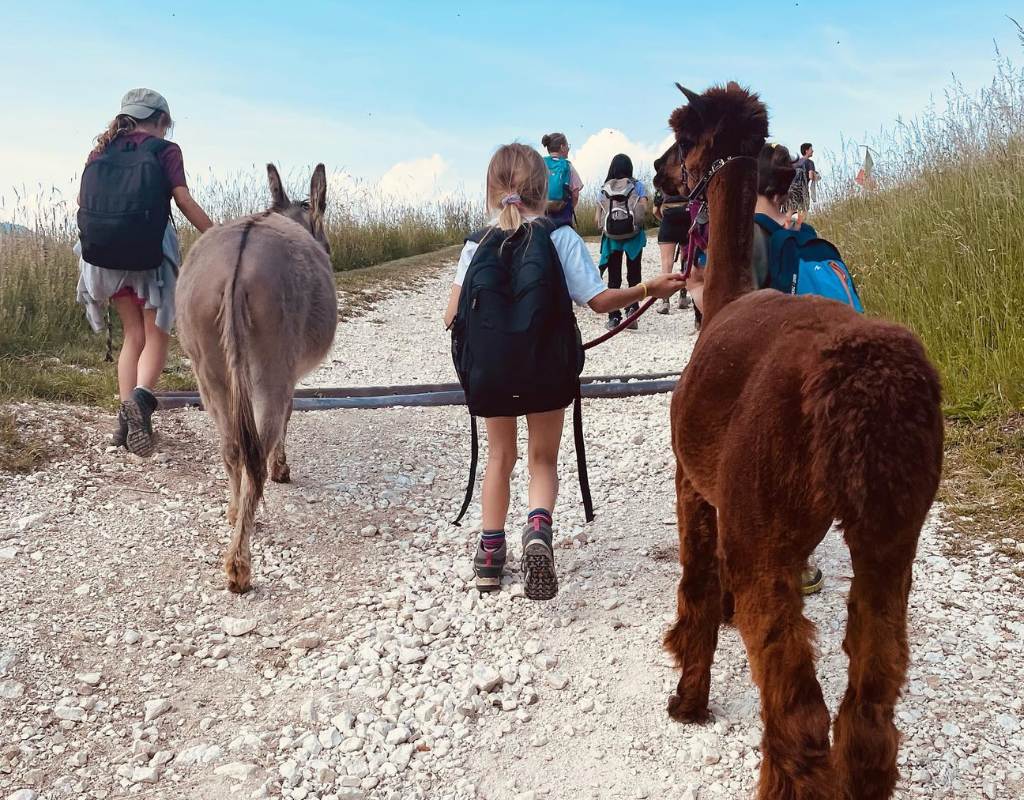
(732, 194)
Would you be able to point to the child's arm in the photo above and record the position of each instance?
(453, 305)
(191, 209)
(662, 286)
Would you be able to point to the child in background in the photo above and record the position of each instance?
(517, 187)
(620, 180)
(128, 250)
(564, 183)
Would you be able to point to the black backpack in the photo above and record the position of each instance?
(124, 205)
(515, 342)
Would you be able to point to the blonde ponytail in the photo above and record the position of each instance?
(517, 185)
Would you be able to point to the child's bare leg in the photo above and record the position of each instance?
(133, 345)
(668, 256)
(545, 435)
(490, 555)
(695, 286)
(154, 354)
(501, 460)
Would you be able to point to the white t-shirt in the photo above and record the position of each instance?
(581, 275)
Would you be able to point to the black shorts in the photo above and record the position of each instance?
(675, 227)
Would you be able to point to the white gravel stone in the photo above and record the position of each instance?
(237, 770)
(156, 708)
(486, 677)
(236, 626)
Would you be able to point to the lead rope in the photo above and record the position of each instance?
(475, 445)
(110, 338)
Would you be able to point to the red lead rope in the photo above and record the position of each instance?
(604, 337)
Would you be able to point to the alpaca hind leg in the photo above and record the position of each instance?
(694, 636)
(866, 739)
(780, 646)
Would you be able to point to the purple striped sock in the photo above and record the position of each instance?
(492, 540)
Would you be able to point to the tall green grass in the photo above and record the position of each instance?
(938, 244)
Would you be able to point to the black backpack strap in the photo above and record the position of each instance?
(581, 456)
(475, 445)
(155, 145)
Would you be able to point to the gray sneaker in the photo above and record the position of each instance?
(138, 411)
(488, 566)
(663, 307)
(538, 561)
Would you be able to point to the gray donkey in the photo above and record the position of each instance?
(257, 310)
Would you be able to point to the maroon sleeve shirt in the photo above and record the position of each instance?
(170, 159)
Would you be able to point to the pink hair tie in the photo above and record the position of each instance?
(511, 200)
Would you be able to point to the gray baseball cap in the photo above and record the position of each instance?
(143, 103)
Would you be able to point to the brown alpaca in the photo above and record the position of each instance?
(794, 412)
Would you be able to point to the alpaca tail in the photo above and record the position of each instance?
(877, 429)
(234, 334)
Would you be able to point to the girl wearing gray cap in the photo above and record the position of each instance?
(128, 250)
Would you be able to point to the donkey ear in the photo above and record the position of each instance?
(318, 197)
(692, 97)
(278, 197)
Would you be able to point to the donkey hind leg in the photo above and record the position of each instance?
(280, 472)
(866, 739)
(694, 636)
(780, 646)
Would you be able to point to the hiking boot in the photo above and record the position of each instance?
(120, 435)
(488, 566)
(632, 310)
(663, 307)
(811, 581)
(684, 300)
(138, 411)
(538, 561)
(614, 320)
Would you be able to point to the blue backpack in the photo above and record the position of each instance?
(799, 262)
(558, 181)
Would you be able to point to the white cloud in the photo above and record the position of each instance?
(416, 180)
(593, 157)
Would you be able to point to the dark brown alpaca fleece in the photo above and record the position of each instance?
(794, 412)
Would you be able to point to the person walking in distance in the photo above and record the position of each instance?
(564, 183)
(621, 210)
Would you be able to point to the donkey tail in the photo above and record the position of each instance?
(234, 333)
(877, 427)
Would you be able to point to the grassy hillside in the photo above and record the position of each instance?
(938, 245)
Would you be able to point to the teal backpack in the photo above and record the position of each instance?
(559, 174)
(799, 262)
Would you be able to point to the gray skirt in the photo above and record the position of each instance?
(155, 287)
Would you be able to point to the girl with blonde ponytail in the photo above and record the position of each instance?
(517, 193)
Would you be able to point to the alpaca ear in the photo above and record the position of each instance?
(278, 197)
(692, 97)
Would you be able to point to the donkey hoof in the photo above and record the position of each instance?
(281, 473)
(238, 577)
(680, 712)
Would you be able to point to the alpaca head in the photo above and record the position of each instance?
(724, 121)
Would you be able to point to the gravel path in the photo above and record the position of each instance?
(364, 666)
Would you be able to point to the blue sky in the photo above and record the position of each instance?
(433, 87)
